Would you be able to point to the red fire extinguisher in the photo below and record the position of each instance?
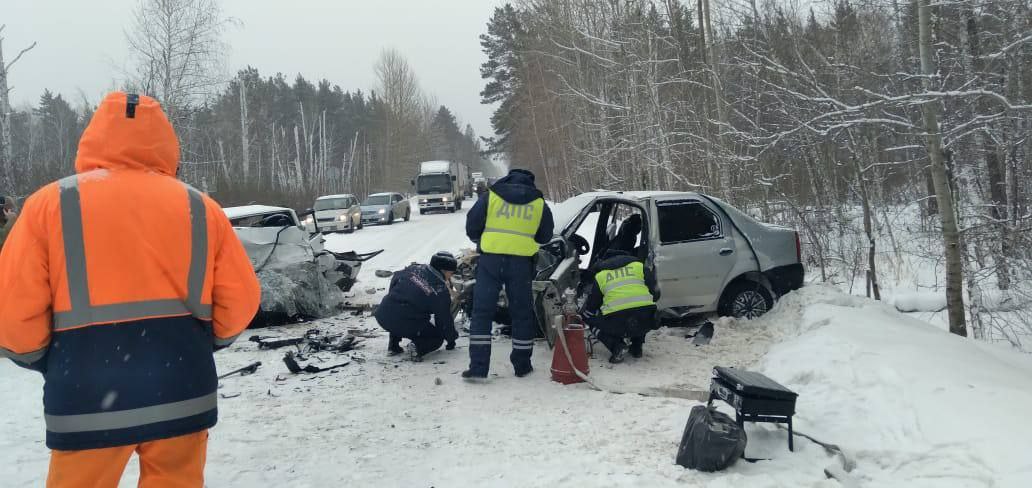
(570, 358)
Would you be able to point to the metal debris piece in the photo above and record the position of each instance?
(246, 370)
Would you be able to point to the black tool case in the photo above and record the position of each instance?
(755, 397)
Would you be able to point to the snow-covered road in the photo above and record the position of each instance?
(913, 405)
(403, 243)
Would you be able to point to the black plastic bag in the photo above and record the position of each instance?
(712, 441)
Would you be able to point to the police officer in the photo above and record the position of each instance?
(417, 293)
(621, 304)
(509, 224)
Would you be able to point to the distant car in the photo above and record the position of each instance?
(335, 213)
(385, 208)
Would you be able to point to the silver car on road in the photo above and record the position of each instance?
(385, 208)
(335, 213)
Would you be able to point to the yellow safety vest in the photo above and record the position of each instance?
(510, 228)
(624, 288)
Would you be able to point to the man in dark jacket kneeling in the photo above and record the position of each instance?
(417, 293)
(621, 304)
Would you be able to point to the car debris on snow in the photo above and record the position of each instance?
(290, 359)
(246, 370)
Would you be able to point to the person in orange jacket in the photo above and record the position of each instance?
(117, 284)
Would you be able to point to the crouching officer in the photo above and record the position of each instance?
(417, 293)
(621, 304)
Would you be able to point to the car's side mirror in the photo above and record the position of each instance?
(412, 182)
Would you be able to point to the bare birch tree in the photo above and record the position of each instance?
(177, 51)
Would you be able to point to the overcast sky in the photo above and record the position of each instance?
(82, 45)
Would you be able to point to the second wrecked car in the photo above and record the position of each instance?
(300, 279)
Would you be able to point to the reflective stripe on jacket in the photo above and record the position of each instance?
(122, 282)
(623, 288)
(510, 228)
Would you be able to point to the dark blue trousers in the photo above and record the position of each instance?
(515, 274)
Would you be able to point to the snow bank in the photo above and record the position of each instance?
(916, 406)
(935, 301)
(919, 301)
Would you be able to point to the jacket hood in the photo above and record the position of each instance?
(123, 137)
(615, 253)
(518, 187)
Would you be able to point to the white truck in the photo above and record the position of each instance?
(441, 185)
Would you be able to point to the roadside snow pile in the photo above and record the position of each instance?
(935, 301)
(919, 301)
(914, 405)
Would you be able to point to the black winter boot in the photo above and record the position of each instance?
(618, 353)
(469, 376)
(636, 346)
(394, 346)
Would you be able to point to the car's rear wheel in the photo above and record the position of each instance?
(745, 299)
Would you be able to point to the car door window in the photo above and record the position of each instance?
(686, 221)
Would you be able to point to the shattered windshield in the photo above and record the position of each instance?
(374, 200)
(434, 184)
(564, 213)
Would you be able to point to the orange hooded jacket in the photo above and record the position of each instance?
(122, 279)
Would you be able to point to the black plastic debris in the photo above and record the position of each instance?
(294, 367)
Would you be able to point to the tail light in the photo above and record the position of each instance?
(798, 248)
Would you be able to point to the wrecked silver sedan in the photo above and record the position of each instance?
(709, 257)
(300, 279)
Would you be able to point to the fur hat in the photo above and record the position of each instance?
(444, 261)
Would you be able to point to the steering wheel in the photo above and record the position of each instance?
(580, 244)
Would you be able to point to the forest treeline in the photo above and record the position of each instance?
(799, 114)
(303, 139)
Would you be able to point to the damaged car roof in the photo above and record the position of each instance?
(249, 210)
